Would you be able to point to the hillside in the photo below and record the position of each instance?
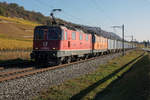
(14, 10)
(16, 33)
(16, 28)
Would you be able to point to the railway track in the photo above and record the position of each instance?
(5, 76)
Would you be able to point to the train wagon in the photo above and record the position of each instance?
(100, 45)
(112, 46)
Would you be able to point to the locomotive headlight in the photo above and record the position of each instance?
(54, 54)
(54, 48)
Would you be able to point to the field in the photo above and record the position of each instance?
(12, 44)
(12, 55)
(87, 86)
(18, 20)
(16, 33)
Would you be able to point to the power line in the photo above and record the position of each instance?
(100, 9)
(44, 6)
(47, 4)
(38, 5)
(74, 17)
(65, 13)
(68, 15)
(42, 2)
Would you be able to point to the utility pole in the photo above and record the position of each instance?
(123, 40)
(132, 41)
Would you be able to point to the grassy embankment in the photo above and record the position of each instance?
(15, 34)
(87, 86)
(132, 86)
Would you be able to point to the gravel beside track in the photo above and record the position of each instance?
(30, 86)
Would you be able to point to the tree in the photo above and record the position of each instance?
(2, 11)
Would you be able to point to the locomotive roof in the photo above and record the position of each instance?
(62, 27)
(46, 26)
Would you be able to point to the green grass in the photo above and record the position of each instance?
(132, 86)
(87, 86)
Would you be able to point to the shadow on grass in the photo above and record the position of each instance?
(84, 92)
(134, 90)
(16, 63)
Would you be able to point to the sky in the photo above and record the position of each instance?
(134, 14)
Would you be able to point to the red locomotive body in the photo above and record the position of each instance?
(60, 44)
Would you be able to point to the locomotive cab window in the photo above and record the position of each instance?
(55, 34)
(73, 35)
(81, 36)
(65, 35)
(86, 37)
(38, 34)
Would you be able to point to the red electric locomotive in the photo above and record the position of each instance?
(58, 44)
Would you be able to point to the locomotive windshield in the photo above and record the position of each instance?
(38, 34)
(51, 33)
(54, 34)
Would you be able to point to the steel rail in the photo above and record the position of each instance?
(15, 71)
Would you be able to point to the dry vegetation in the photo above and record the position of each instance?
(18, 20)
(10, 44)
(16, 33)
(4, 56)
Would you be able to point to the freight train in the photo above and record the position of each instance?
(58, 44)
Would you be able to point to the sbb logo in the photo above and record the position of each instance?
(45, 44)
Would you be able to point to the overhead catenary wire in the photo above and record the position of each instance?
(45, 7)
(45, 4)
(64, 13)
(39, 5)
(101, 10)
(74, 17)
